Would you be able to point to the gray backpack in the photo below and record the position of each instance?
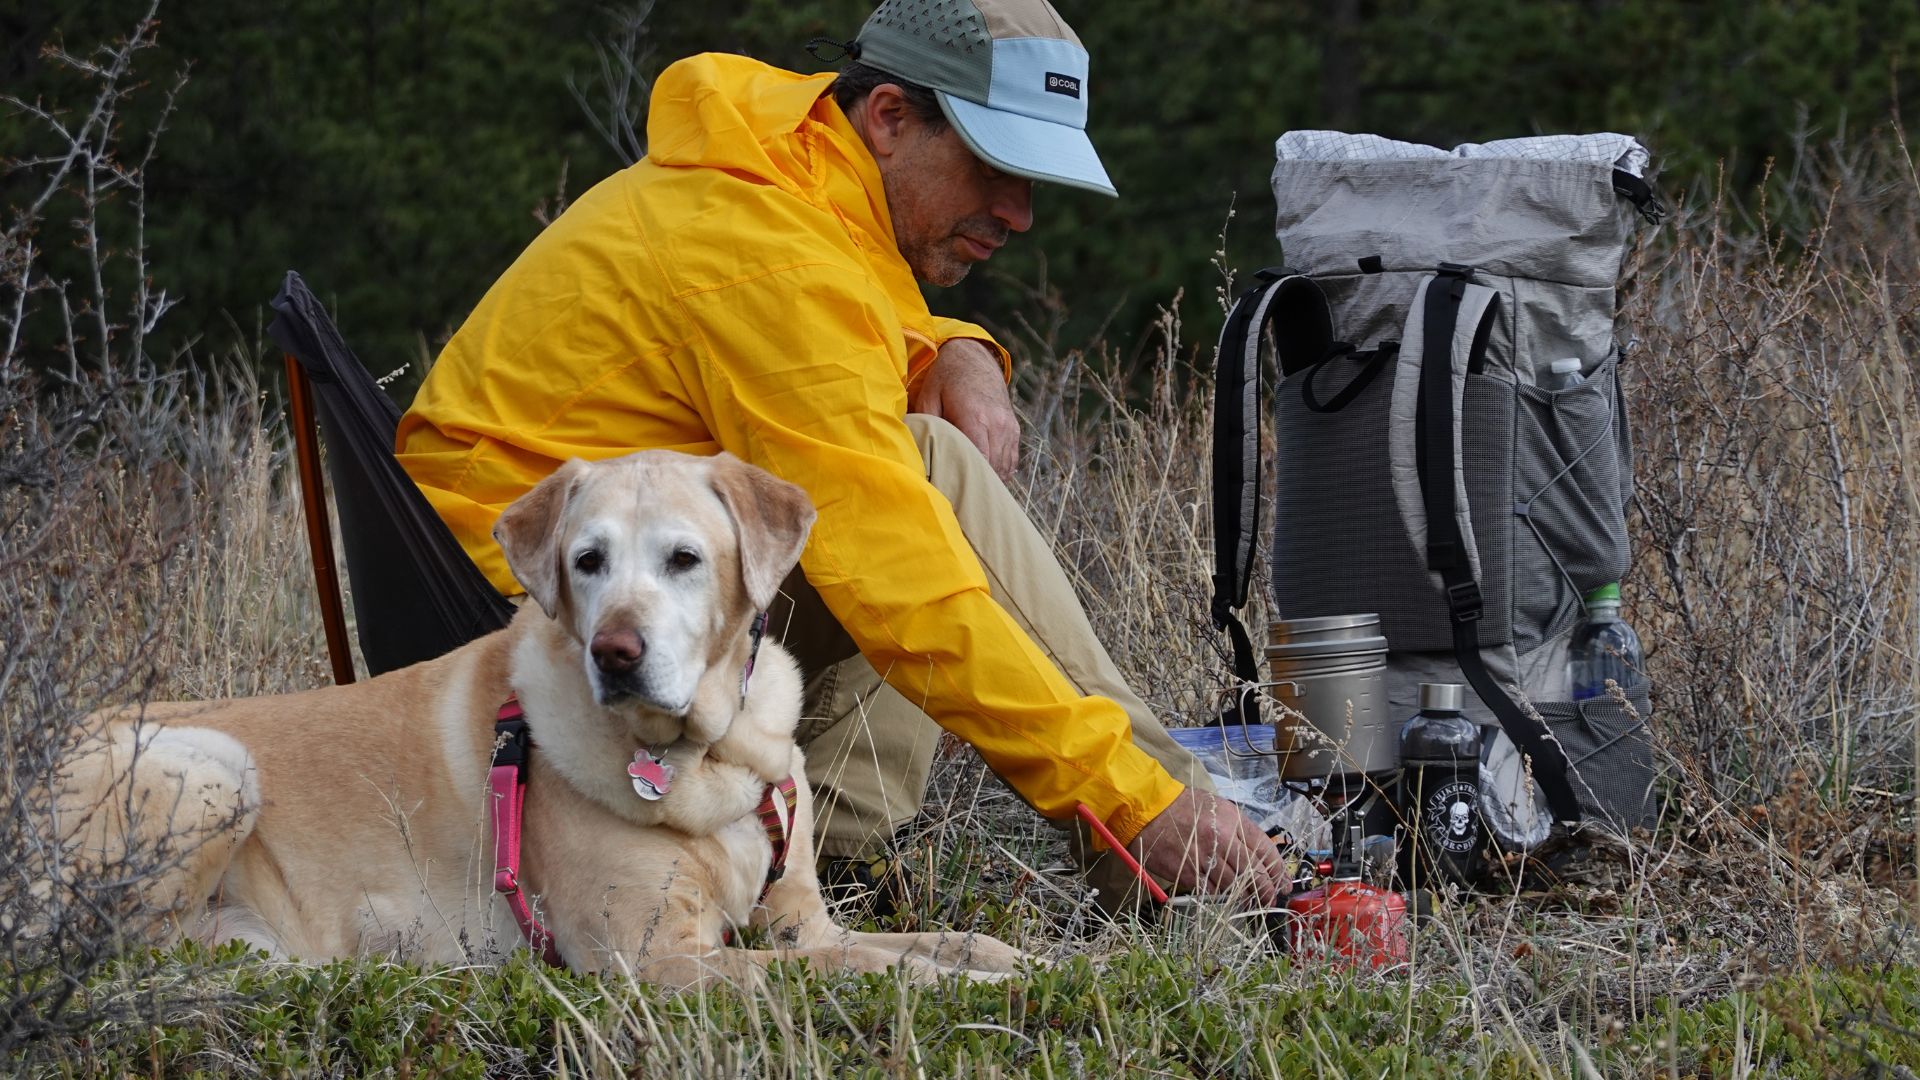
(1424, 468)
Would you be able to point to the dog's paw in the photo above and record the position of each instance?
(978, 975)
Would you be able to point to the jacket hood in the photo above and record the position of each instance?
(735, 113)
(726, 111)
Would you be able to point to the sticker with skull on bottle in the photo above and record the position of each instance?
(1450, 817)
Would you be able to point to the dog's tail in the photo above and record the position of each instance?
(146, 818)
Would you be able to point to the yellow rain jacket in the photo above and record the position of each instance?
(740, 289)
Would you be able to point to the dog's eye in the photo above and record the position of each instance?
(683, 559)
(589, 561)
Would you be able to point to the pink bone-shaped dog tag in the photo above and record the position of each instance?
(652, 776)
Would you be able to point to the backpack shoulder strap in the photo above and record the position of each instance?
(1438, 451)
(1299, 304)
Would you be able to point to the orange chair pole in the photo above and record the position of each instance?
(313, 493)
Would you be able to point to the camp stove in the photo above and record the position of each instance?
(1349, 920)
(1342, 909)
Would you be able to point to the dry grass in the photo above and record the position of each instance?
(1777, 504)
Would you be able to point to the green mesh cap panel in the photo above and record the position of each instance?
(940, 44)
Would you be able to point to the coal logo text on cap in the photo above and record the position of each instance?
(1063, 84)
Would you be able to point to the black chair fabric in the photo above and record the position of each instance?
(416, 594)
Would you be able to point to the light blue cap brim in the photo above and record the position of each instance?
(1024, 146)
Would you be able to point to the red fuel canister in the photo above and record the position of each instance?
(1349, 922)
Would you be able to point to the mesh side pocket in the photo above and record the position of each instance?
(1569, 502)
(1611, 750)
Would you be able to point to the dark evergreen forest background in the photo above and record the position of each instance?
(399, 154)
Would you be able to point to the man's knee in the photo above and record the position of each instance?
(950, 457)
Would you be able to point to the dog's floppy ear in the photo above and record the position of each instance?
(528, 532)
(770, 519)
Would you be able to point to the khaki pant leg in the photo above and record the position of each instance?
(869, 750)
(868, 758)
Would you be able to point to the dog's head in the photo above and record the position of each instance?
(655, 562)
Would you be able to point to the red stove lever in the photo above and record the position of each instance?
(1126, 858)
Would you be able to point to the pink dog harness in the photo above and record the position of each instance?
(507, 782)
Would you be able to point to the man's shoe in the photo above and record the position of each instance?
(874, 886)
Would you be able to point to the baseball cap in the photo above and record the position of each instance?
(1010, 75)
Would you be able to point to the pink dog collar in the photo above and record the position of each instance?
(507, 783)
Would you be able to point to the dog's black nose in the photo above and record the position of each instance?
(617, 652)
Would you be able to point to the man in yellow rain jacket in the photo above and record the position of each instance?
(752, 286)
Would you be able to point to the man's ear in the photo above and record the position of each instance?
(770, 522)
(528, 532)
(884, 115)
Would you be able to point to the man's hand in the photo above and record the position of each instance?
(966, 388)
(1205, 843)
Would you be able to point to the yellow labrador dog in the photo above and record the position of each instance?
(371, 817)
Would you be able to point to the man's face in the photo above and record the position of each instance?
(949, 208)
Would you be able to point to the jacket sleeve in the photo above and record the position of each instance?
(803, 375)
(945, 330)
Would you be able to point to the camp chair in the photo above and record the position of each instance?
(416, 595)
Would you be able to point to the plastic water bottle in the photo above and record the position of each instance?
(1604, 648)
(1566, 374)
(1440, 785)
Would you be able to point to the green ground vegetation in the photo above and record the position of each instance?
(1145, 1012)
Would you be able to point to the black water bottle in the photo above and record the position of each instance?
(1440, 785)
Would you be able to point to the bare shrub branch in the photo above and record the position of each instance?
(109, 545)
(614, 98)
